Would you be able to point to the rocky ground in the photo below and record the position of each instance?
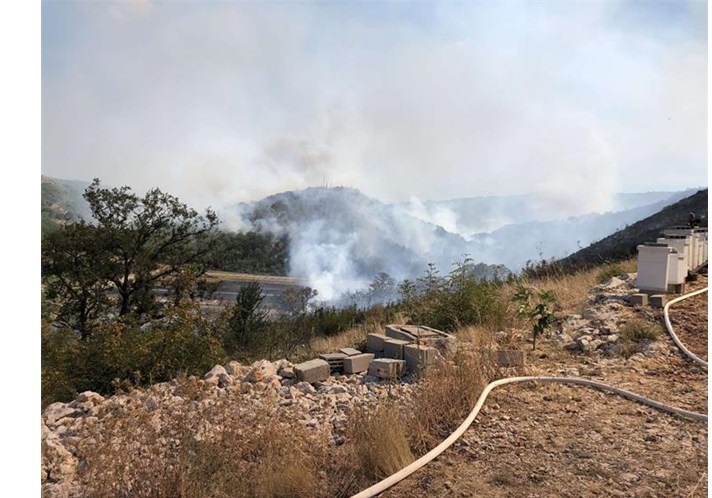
(552, 440)
(529, 440)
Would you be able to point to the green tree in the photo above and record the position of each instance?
(75, 283)
(142, 241)
(246, 320)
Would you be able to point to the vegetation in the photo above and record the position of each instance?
(636, 335)
(535, 307)
(249, 252)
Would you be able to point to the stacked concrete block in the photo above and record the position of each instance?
(335, 361)
(387, 368)
(653, 263)
(399, 332)
(357, 363)
(349, 351)
(393, 348)
(511, 358)
(374, 343)
(418, 356)
(312, 371)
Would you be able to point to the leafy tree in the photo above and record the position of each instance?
(538, 313)
(246, 319)
(135, 243)
(72, 257)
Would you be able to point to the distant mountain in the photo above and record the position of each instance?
(623, 243)
(514, 245)
(62, 202)
(487, 213)
(339, 235)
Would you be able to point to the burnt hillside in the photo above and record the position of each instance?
(622, 244)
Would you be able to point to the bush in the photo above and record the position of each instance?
(121, 353)
(610, 271)
(449, 391)
(380, 441)
(640, 331)
(636, 336)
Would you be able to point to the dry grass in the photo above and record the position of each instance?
(379, 441)
(449, 390)
(347, 339)
(200, 447)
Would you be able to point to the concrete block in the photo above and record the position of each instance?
(419, 356)
(511, 358)
(398, 332)
(349, 351)
(639, 299)
(387, 368)
(312, 370)
(335, 361)
(374, 342)
(357, 363)
(658, 300)
(393, 348)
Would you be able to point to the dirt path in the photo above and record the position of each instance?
(551, 440)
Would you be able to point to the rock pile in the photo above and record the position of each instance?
(596, 329)
(265, 388)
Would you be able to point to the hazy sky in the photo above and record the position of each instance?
(232, 101)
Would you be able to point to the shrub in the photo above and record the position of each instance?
(610, 271)
(640, 331)
(184, 341)
(449, 391)
(380, 441)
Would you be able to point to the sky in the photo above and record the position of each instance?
(222, 102)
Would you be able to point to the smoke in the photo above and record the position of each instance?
(226, 102)
(545, 108)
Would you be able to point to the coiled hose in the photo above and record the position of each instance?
(432, 454)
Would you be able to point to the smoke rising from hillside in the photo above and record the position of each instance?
(226, 102)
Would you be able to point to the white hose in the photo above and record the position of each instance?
(432, 454)
(668, 325)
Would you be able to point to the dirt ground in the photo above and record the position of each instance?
(552, 440)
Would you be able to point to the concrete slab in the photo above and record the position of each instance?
(335, 361)
(357, 363)
(393, 348)
(387, 368)
(350, 351)
(511, 358)
(398, 332)
(639, 299)
(658, 300)
(374, 342)
(313, 370)
(419, 356)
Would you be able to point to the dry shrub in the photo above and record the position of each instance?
(449, 390)
(346, 339)
(636, 336)
(637, 330)
(379, 441)
(200, 446)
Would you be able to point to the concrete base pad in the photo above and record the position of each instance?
(639, 299)
(658, 300)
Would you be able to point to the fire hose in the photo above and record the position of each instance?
(432, 454)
